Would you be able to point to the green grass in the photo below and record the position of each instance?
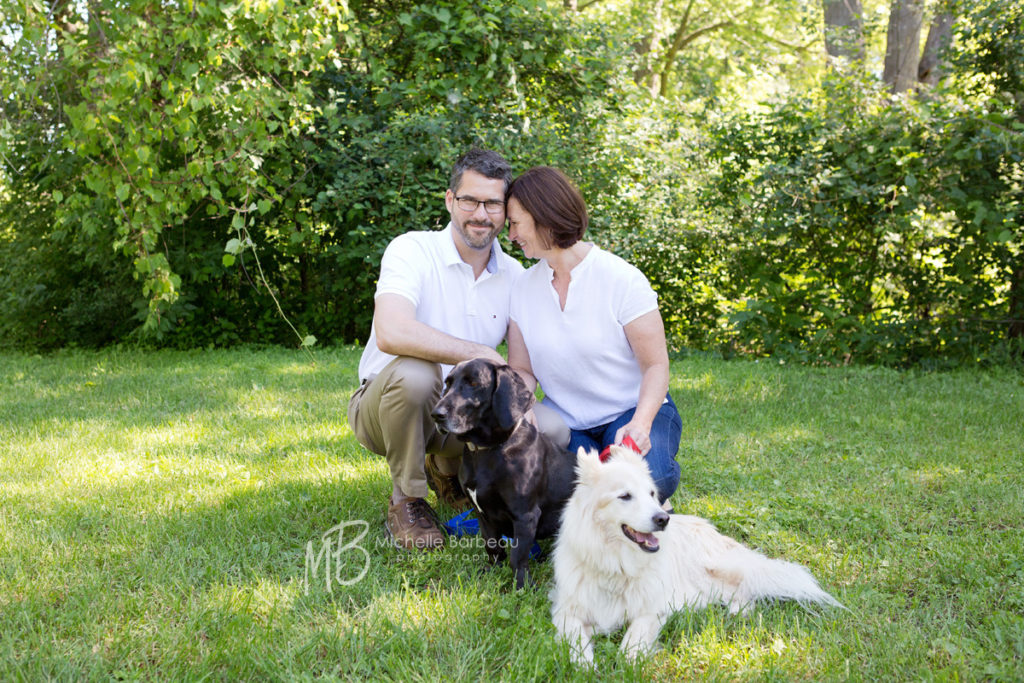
(156, 510)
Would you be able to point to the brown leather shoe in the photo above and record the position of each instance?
(412, 525)
(446, 486)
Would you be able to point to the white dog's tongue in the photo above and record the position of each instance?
(649, 540)
(644, 540)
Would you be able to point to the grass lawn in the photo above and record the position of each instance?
(164, 516)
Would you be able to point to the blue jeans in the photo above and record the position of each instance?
(666, 431)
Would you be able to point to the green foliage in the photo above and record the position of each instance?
(709, 52)
(156, 134)
(55, 293)
(989, 50)
(220, 173)
(233, 154)
(868, 229)
(429, 81)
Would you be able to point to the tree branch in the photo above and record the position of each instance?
(771, 39)
(681, 40)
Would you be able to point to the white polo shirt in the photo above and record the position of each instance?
(580, 356)
(425, 268)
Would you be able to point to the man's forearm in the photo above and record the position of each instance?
(419, 340)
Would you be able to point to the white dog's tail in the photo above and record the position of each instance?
(764, 578)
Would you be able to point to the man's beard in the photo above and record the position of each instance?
(474, 240)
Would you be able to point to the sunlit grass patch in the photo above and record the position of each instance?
(157, 509)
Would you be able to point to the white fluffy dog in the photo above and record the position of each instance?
(611, 569)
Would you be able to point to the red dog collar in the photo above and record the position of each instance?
(627, 442)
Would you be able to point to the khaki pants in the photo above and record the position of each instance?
(390, 416)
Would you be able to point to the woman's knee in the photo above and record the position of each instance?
(551, 425)
(665, 437)
(667, 480)
(578, 439)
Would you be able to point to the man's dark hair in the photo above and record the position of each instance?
(555, 204)
(485, 162)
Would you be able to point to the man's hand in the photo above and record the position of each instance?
(492, 354)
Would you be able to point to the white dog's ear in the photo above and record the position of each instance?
(588, 464)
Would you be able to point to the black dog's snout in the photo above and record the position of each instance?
(439, 414)
(661, 519)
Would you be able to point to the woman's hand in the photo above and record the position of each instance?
(640, 433)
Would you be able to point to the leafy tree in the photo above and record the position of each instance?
(234, 157)
(156, 130)
(423, 83)
(221, 172)
(989, 49)
(867, 229)
(987, 54)
(697, 47)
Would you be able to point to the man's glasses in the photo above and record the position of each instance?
(491, 206)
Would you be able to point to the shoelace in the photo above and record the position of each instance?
(419, 512)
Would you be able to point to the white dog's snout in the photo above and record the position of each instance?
(661, 519)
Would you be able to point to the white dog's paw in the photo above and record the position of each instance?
(583, 660)
(637, 651)
(743, 609)
(580, 639)
(641, 638)
(582, 654)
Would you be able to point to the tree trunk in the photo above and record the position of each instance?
(647, 49)
(902, 46)
(844, 29)
(940, 33)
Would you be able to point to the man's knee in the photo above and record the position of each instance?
(414, 379)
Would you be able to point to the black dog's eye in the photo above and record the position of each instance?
(626, 496)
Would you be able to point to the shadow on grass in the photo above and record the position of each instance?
(859, 473)
(228, 586)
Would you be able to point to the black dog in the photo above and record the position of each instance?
(518, 479)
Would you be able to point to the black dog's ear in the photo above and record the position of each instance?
(511, 398)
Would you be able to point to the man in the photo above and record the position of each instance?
(442, 297)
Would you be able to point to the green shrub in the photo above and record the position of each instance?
(871, 230)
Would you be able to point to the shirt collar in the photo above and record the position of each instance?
(578, 268)
(452, 257)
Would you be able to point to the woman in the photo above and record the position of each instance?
(585, 324)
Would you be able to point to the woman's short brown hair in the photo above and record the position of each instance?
(554, 203)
